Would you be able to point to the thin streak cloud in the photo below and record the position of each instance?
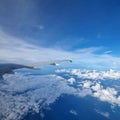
(13, 49)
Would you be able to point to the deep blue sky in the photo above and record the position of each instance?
(68, 24)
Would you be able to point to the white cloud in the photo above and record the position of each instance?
(73, 112)
(105, 114)
(71, 80)
(106, 94)
(92, 74)
(93, 87)
(84, 92)
(62, 71)
(22, 93)
(14, 49)
(87, 84)
(96, 87)
(89, 50)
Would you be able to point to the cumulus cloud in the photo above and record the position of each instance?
(71, 80)
(22, 94)
(87, 84)
(84, 92)
(93, 86)
(106, 94)
(96, 87)
(92, 74)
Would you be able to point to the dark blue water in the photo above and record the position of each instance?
(85, 107)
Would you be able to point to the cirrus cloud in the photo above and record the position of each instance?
(13, 49)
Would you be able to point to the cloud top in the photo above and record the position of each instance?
(22, 94)
(89, 83)
(92, 74)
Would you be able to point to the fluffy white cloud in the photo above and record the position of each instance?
(71, 80)
(87, 84)
(84, 92)
(92, 74)
(93, 87)
(106, 94)
(21, 94)
(96, 87)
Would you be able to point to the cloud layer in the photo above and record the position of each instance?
(91, 84)
(92, 74)
(17, 50)
(21, 94)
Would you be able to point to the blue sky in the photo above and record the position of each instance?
(84, 22)
(65, 24)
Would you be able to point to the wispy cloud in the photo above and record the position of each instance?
(14, 49)
(108, 52)
(89, 50)
(73, 112)
(105, 114)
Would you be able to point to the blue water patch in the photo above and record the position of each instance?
(70, 107)
(83, 107)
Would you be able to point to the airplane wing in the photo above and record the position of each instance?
(8, 68)
(54, 63)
